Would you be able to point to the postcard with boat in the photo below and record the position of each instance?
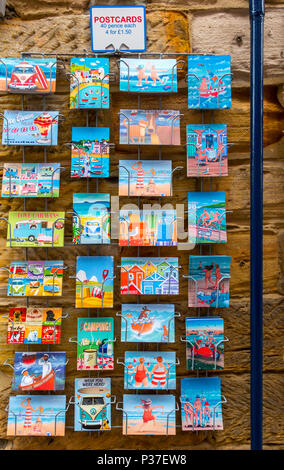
(201, 404)
(91, 218)
(209, 281)
(153, 415)
(148, 75)
(148, 227)
(28, 75)
(149, 276)
(92, 411)
(207, 217)
(149, 127)
(205, 343)
(95, 339)
(148, 323)
(151, 178)
(89, 83)
(150, 370)
(90, 152)
(94, 282)
(206, 150)
(30, 128)
(34, 325)
(36, 415)
(209, 82)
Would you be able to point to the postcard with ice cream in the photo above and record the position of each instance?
(207, 218)
(145, 178)
(95, 338)
(30, 128)
(94, 282)
(148, 75)
(150, 370)
(89, 83)
(91, 218)
(28, 75)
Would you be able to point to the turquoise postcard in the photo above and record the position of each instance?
(90, 152)
(89, 83)
(145, 178)
(150, 370)
(207, 217)
(92, 410)
(91, 218)
(148, 75)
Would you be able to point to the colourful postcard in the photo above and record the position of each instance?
(149, 127)
(95, 337)
(205, 343)
(148, 323)
(149, 415)
(36, 415)
(150, 370)
(35, 278)
(31, 180)
(145, 178)
(30, 128)
(201, 407)
(149, 276)
(36, 229)
(28, 75)
(94, 282)
(90, 152)
(36, 371)
(91, 218)
(92, 404)
(206, 150)
(209, 82)
(148, 75)
(89, 83)
(34, 325)
(207, 218)
(147, 228)
(208, 281)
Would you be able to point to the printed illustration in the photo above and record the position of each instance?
(207, 218)
(95, 338)
(94, 282)
(30, 128)
(150, 370)
(89, 83)
(148, 75)
(145, 178)
(91, 218)
(92, 404)
(28, 75)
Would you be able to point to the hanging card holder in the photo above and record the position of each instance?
(192, 279)
(74, 339)
(76, 220)
(99, 167)
(215, 411)
(184, 339)
(198, 81)
(200, 228)
(73, 402)
(108, 278)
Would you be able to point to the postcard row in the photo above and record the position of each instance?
(208, 77)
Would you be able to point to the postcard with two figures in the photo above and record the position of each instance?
(145, 178)
(150, 370)
(148, 75)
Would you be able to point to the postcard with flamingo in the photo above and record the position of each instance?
(149, 127)
(149, 415)
(34, 325)
(205, 343)
(89, 83)
(91, 218)
(95, 338)
(36, 371)
(30, 128)
(92, 404)
(148, 228)
(208, 281)
(36, 415)
(209, 82)
(28, 75)
(207, 218)
(145, 178)
(31, 180)
(201, 407)
(150, 370)
(35, 278)
(36, 229)
(207, 150)
(148, 75)
(90, 152)
(94, 282)
(148, 323)
(149, 276)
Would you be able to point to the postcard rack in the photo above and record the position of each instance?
(169, 325)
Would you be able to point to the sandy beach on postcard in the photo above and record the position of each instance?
(47, 429)
(159, 428)
(159, 190)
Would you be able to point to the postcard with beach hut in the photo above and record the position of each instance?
(201, 407)
(145, 178)
(148, 75)
(94, 282)
(95, 338)
(148, 227)
(89, 83)
(30, 128)
(28, 75)
(149, 415)
(92, 411)
(36, 415)
(205, 343)
(148, 323)
(150, 370)
(209, 82)
(149, 276)
(207, 217)
(207, 150)
(149, 127)
(91, 218)
(90, 152)
(209, 281)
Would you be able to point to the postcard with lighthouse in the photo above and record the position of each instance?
(95, 339)
(94, 282)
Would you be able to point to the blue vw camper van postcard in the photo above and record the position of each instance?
(205, 343)
(89, 83)
(91, 218)
(95, 337)
(150, 370)
(207, 218)
(92, 404)
(148, 75)
(30, 128)
(145, 178)
(28, 75)
(90, 152)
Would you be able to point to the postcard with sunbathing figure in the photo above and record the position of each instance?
(145, 178)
